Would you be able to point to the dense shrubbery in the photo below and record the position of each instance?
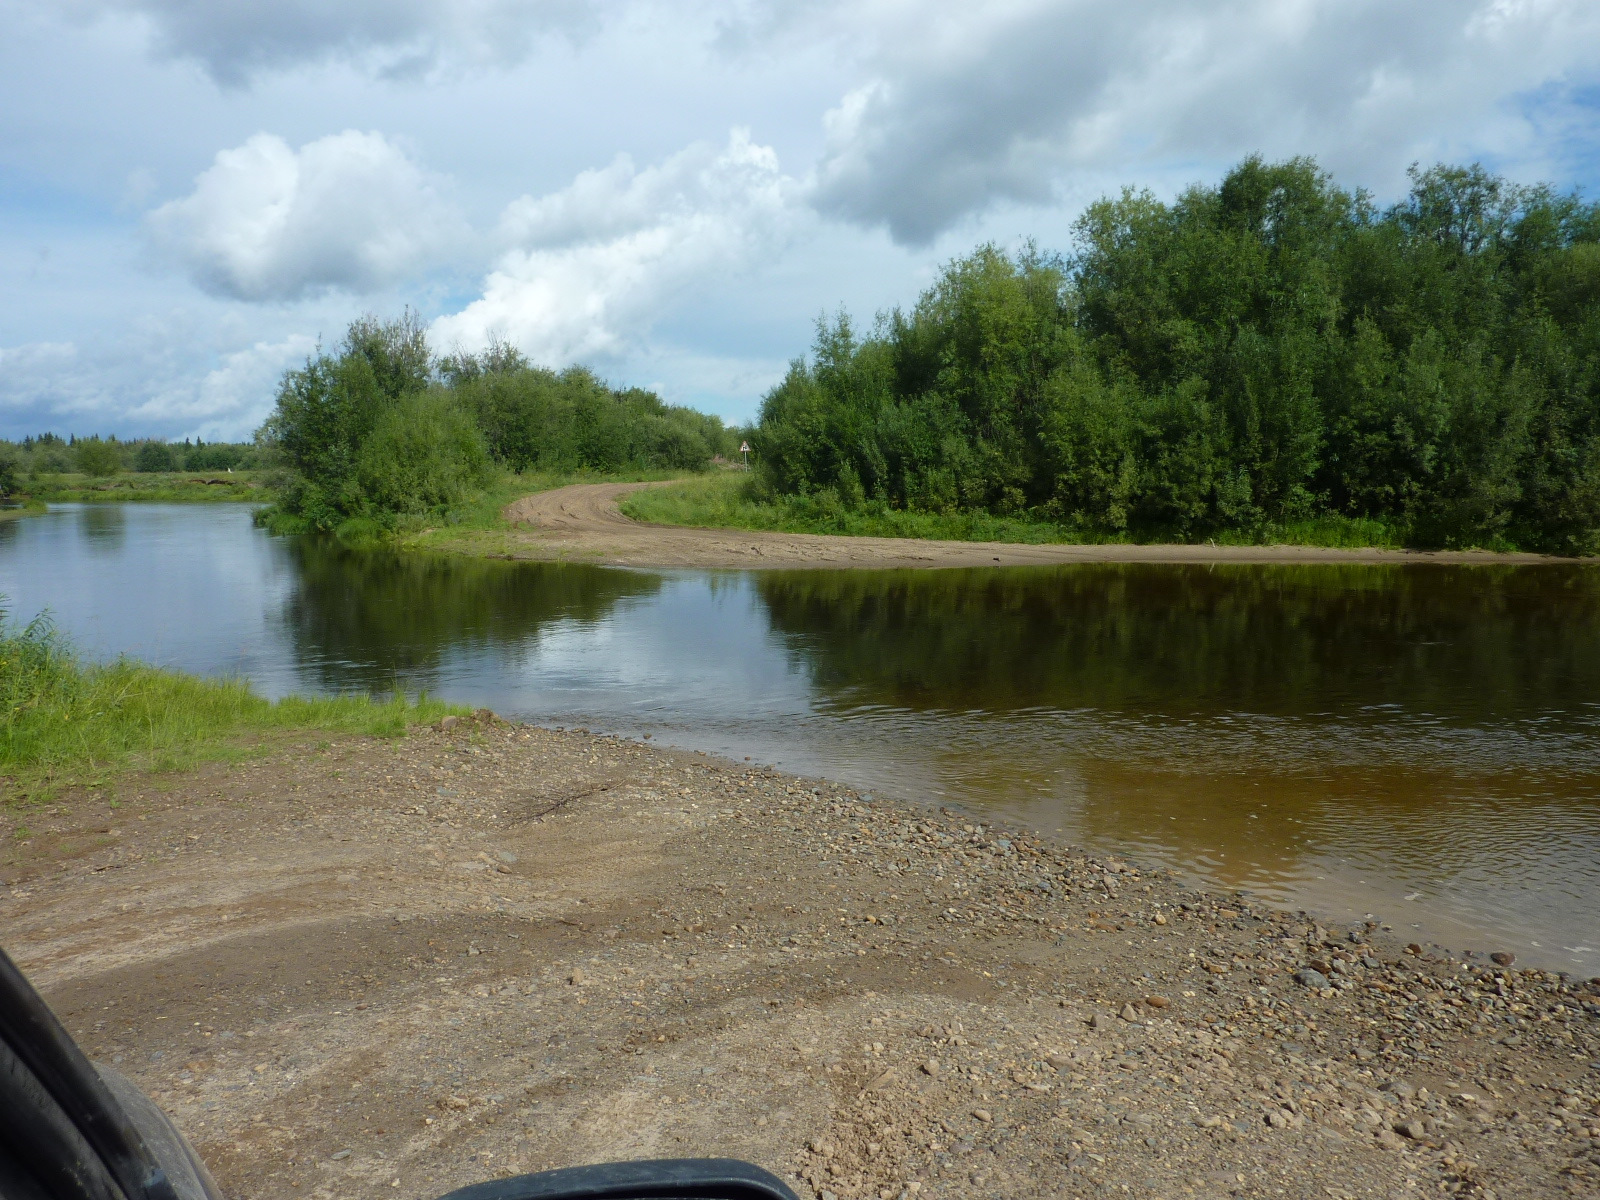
(377, 431)
(537, 419)
(1263, 353)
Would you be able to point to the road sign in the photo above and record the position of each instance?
(744, 447)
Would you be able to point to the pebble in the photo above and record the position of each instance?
(1311, 978)
(1502, 958)
(932, 1068)
(1157, 1001)
(577, 976)
(983, 1114)
(1129, 1014)
(1098, 1021)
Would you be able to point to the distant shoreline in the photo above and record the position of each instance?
(582, 523)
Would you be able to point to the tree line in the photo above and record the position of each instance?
(37, 459)
(1268, 351)
(377, 429)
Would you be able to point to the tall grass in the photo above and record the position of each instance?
(65, 722)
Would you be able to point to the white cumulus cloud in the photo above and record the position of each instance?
(268, 222)
(593, 266)
(958, 106)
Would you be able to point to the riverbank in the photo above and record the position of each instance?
(367, 967)
(65, 723)
(178, 487)
(583, 523)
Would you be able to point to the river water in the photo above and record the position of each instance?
(1417, 743)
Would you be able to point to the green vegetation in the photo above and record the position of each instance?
(63, 722)
(178, 487)
(378, 437)
(1263, 357)
(97, 458)
(735, 500)
(52, 468)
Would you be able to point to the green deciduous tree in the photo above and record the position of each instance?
(1249, 355)
(97, 457)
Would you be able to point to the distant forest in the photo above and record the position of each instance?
(38, 460)
(1271, 351)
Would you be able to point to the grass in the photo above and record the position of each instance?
(65, 723)
(727, 501)
(164, 487)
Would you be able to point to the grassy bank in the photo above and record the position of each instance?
(64, 722)
(728, 501)
(156, 487)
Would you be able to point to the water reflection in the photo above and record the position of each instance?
(1458, 643)
(1421, 742)
(105, 526)
(371, 620)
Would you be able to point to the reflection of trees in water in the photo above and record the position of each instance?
(367, 618)
(1465, 643)
(105, 526)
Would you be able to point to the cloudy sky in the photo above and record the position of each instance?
(193, 192)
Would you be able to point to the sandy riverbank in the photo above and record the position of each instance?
(582, 523)
(369, 968)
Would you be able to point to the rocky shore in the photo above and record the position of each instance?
(368, 968)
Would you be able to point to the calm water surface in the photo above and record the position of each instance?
(1419, 743)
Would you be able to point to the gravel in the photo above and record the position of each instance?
(893, 1001)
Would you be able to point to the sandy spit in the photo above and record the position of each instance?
(582, 523)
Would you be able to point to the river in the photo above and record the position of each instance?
(1417, 743)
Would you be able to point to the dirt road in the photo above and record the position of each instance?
(582, 523)
(368, 968)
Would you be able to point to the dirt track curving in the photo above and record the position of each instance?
(370, 969)
(582, 523)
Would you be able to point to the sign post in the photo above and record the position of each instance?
(744, 449)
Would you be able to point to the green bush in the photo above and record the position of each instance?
(540, 420)
(328, 409)
(97, 457)
(9, 471)
(155, 457)
(1253, 356)
(424, 455)
(219, 456)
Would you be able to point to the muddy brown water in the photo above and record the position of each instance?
(1419, 742)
